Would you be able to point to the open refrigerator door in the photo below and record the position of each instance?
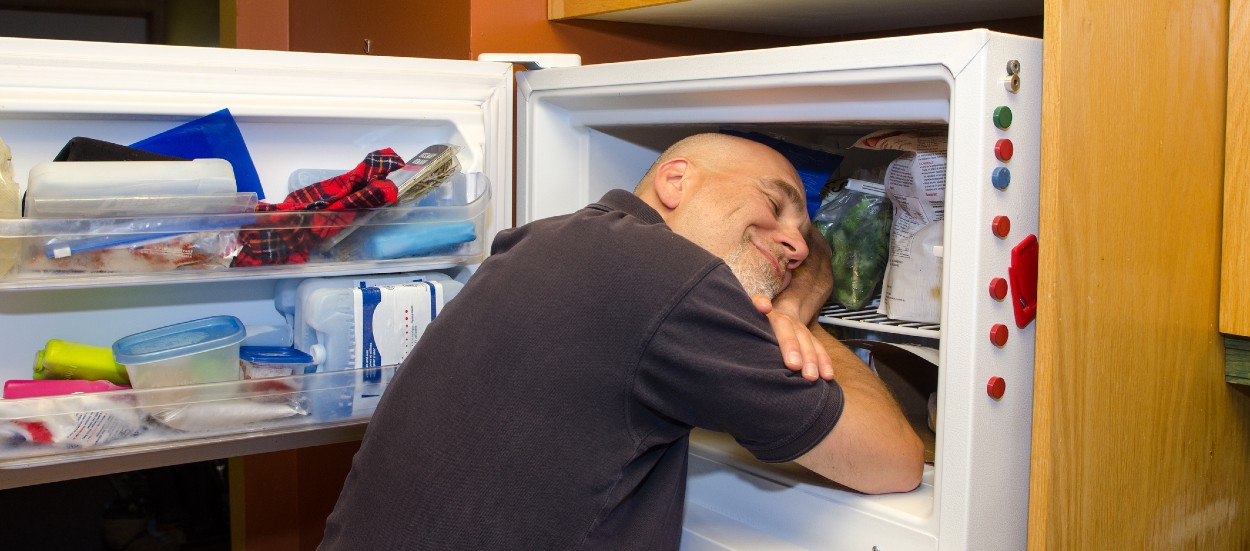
(175, 240)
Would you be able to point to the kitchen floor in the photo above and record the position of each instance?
(183, 507)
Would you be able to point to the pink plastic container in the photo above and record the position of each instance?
(21, 388)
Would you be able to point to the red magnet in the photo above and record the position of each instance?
(998, 335)
(1003, 149)
(996, 387)
(998, 288)
(1023, 274)
(1001, 226)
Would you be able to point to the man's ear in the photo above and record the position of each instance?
(670, 181)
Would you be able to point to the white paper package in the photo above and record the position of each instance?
(915, 182)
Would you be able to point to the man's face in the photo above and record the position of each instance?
(751, 214)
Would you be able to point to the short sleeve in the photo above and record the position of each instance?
(714, 363)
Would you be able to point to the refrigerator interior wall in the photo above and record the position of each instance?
(581, 134)
(617, 137)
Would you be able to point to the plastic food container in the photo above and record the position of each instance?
(199, 351)
(112, 178)
(262, 362)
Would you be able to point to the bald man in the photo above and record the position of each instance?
(550, 405)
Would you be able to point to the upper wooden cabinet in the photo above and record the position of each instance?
(1235, 263)
(795, 17)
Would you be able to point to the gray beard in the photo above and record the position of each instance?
(756, 275)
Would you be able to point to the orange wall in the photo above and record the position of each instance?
(408, 28)
(256, 24)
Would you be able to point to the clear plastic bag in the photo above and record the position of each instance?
(856, 223)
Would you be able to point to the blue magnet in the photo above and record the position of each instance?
(1001, 177)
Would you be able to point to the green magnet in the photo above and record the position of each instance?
(1002, 116)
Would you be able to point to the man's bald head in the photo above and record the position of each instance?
(715, 151)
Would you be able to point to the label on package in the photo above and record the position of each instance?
(389, 321)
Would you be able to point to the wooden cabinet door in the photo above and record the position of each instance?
(1235, 260)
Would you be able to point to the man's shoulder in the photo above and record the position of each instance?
(620, 225)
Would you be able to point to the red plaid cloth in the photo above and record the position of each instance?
(335, 201)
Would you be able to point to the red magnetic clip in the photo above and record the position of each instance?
(996, 387)
(1003, 149)
(1023, 274)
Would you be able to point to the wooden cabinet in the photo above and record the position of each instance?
(1138, 442)
(810, 18)
(1235, 264)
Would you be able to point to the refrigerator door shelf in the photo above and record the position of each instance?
(57, 437)
(296, 111)
(445, 228)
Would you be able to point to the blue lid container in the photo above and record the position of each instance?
(272, 361)
(178, 340)
(273, 355)
(198, 351)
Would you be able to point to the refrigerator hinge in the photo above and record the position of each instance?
(535, 61)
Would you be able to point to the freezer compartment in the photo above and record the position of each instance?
(57, 429)
(785, 505)
(982, 90)
(446, 227)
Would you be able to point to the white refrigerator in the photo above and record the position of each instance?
(580, 132)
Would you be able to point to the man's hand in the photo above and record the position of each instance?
(811, 282)
(799, 348)
(792, 311)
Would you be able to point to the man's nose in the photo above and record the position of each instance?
(794, 246)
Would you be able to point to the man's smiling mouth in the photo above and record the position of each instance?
(774, 261)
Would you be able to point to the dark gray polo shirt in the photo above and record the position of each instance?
(549, 406)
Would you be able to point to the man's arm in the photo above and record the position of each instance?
(872, 448)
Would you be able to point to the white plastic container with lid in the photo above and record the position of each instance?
(128, 178)
(199, 351)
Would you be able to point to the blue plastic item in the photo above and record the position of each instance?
(406, 240)
(814, 166)
(139, 231)
(213, 136)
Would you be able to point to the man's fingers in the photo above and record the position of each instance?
(825, 362)
(810, 360)
(762, 303)
(787, 340)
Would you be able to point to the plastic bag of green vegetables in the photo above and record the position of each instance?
(856, 222)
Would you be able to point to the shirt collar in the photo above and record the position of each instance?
(619, 199)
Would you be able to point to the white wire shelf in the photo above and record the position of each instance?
(867, 319)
